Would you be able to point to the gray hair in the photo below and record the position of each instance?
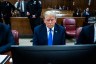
(50, 13)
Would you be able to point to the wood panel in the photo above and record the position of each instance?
(57, 3)
(22, 25)
(82, 4)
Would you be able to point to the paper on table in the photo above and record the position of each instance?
(3, 58)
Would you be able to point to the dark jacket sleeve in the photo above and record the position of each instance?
(39, 6)
(35, 36)
(35, 9)
(9, 40)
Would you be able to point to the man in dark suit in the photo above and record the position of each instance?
(77, 13)
(41, 32)
(34, 9)
(7, 10)
(86, 14)
(20, 6)
(87, 35)
(6, 38)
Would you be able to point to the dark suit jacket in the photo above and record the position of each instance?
(6, 8)
(6, 38)
(0, 13)
(40, 35)
(17, 5)
(85, 15)
(34, 8)
(0, 10)
(75, 14)
(87, 35)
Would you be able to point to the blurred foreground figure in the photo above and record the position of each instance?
(6, 38)
(7, 10)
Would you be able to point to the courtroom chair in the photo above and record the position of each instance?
(70, 26)
(16, 36)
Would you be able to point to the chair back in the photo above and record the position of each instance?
(16, 36)
(70, 25)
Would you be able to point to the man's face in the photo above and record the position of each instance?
(50, 21)
(87, 9)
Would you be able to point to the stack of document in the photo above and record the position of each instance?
(4, 59)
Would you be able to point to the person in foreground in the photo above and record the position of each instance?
(49, 33)
(87, 35)
(6, 38)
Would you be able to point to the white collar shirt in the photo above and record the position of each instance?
(48, 30)
(94, 32)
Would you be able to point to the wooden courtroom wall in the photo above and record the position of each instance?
(84, 3)
(53, 3)
(22, 25)
(72, 4)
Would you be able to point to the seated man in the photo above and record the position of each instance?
(86, 14)
(49, 33)
(87, 35)
(6, 38)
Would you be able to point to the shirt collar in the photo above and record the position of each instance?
(95, 25)
(49, 29)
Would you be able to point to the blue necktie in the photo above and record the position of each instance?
(50, 37)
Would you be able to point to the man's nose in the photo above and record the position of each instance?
(50, 21)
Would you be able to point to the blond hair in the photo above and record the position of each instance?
(50, 13)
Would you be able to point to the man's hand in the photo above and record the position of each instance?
(33, 16)
(28, 13)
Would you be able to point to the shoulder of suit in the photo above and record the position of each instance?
(59, 26)
(40, 2)
(39, 26)
(87, 27)
(3, 26)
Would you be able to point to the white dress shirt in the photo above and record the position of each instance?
(48, 30)
(22, 4)
(16, 4)
(95, 32)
